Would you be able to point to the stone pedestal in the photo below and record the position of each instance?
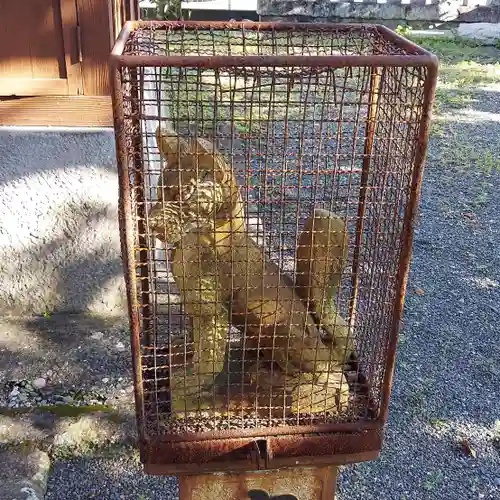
(298, 483)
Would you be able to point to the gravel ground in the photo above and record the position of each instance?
(443, 437)
(112, 478)
(442, 442)
(450, 335)
(64, 359)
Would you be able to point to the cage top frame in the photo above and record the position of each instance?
(416, 56)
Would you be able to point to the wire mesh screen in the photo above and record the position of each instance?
(268, 210)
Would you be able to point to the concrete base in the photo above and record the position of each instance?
(487, 33)
(59, 239)
(23, 475)
(311, 483)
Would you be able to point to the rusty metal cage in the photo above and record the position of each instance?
(269, 179)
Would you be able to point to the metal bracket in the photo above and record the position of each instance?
(78, 31)
(262, 453)
(79, 43)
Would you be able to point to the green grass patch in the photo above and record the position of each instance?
(439, 423)
(453, 50)
(464, 65)
(433, 480)
(465, 156)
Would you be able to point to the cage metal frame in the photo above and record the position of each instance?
(271, 447)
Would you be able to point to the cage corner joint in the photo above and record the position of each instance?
(269, 176)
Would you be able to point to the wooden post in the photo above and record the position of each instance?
(297, 483)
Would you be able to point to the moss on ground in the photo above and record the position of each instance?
(62, 410)
(79, 438)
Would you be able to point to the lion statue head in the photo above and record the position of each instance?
(196, 190)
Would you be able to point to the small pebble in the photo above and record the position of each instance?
(49, 373)
(14, 392)
(105, 380)
(497, 482)
(67, 399)
(97, 336)
(39, 383)
(120, 346)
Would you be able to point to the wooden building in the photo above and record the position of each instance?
(54, 60)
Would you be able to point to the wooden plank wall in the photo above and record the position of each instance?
(82, 97)
(30, 40)
(93, 17)
(63, 111)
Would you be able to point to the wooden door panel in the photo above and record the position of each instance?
(54, 60)
(36, 48)
(94, 20)
(72, 50)
(14, 40)
(100, 22)
(46, 34)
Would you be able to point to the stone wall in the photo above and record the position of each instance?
(460, 11)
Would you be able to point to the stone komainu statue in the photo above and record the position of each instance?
(220, 268)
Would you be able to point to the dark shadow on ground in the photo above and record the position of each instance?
(75, 353)
(25, 153)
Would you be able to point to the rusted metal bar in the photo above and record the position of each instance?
(140, 204)
(271, 61)
(407, 236)
(119, 46)
(240, 454)
(406, 44)
(371, 122)
(127, 242)
(273, 431)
